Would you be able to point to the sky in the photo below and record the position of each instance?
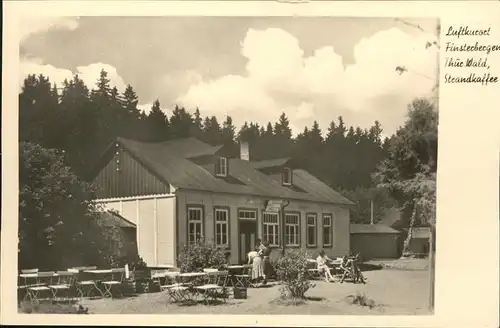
(251, 68)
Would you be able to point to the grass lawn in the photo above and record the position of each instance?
(393, 291)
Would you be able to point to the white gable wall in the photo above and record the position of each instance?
(154, 217)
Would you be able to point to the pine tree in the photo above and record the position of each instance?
(375, 133)
(197, 128)
(341, 129)
(38, 111)
(315, 136)
(282, 127)
(181, 123)
(332, 129)
(212, 133)
(130, 101)
(228, 131)
(79, 125)
(157, 123)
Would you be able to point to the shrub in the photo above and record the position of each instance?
(197, 256)
(291, 269)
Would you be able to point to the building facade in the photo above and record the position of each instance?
(179, 191)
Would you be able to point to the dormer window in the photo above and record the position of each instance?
(221, 167)
(286, 176)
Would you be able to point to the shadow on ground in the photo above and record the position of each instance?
(369, 267)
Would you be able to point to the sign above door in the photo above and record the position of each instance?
(273, 206)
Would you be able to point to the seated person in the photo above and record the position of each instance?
(322, 260)
(345, 261)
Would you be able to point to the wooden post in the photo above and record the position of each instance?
(371, 211)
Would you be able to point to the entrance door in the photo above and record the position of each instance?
(247, 233)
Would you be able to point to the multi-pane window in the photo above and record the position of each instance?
(311, 229)
(195, 224)
(292, 229)
(327, 230)
(271, 228)
(247, 215)
(221, 167)
(221, 227)
(287, 176)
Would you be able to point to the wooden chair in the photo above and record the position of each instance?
(28, 278)
(176, 291)
(86, 284)
(63, 282)
(41, 287)
(113, 282)
(243, 280)
(215, 288)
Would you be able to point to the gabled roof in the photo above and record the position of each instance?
(169, 162)
(372, 229)
(112, 219)
(184, 147)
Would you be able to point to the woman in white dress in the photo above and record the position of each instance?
(323, 267)
(256, 260)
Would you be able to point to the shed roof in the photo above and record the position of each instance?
(372, 228)
(421, 232)
(112, 219)
(170, 162)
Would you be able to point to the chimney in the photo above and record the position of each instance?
(244, 151)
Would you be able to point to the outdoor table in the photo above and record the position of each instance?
(99, 271)
(81, 268)
(92, 283)
(238, 276)
(189, 276)
(28, 275)
(161, 267)
(158, 272)
(160, 277)
(192, 274)
(185, 290)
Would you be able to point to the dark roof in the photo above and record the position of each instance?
(372, 228)
(269, 163)
(112, 219)
(169, 162)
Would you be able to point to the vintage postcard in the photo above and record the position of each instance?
(296, 164)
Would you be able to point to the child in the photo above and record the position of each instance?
(323, 267)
